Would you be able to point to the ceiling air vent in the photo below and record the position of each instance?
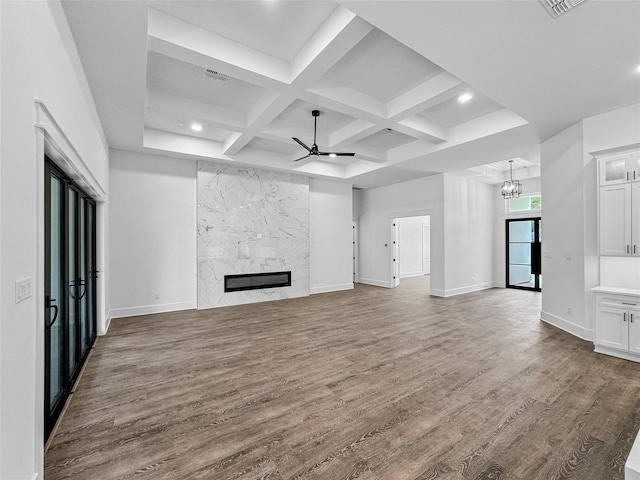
(558, 7)
(217, 75)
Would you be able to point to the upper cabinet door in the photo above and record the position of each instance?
(635, 220)
(615, 169)
(635, 166)
(615, 220)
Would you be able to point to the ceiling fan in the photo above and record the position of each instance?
(313, 151)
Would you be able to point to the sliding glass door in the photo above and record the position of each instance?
(524, 239)
(70, 287)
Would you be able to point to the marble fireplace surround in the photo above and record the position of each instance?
(250, 221)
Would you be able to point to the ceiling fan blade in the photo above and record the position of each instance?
(302, 144)
(301, 158)
(338, 154)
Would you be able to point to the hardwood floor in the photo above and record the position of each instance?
(365, 384)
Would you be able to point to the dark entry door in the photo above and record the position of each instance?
(524, 240)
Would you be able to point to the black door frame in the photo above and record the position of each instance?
(69, 372)
(536, 260)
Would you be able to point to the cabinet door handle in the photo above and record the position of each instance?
(634, 248)
(624, 317)
(631, 317)
(627, 176)
(628, 249)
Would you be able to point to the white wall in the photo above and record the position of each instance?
(152, 234)
(570, 262)
(378, 206)
(331, 236)
(469, 225)
(529, 187)
(614, 129)
(39, 61)
(563, 232)
(410, 245)
(462, 224)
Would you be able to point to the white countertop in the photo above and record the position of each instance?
(617, 290)
(632, 467)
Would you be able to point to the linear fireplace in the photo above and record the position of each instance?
(254, 281)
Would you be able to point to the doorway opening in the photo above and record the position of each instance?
(523, 248)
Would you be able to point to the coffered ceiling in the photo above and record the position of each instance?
(249, 73)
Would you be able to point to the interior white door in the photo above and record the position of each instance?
(426, 249)
(395, 261)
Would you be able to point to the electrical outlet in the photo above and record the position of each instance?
(569, 310)
(23, 289)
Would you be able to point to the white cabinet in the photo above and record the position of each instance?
(617, 325)
(619, 205)
(621, 168)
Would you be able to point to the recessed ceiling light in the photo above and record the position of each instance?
(638, 69)
(465, 97)
(196, 127)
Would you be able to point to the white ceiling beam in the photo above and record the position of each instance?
(262, 114)
(352, 132)
(418, 127)
(358, 103)
(436, 90)
(219, 116)
(338, 35)
(173, 142)
(191, 38)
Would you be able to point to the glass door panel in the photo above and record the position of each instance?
(54, 292)
(523, 254)
(72, 323)
(82, 276)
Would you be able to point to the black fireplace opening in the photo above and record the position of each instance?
(255, 281)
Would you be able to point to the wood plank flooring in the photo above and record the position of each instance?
(369, 384)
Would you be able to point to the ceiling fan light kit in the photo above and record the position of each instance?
(313, 150)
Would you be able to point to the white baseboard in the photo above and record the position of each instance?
(461, 290)
(376, 283)
(106, 327)
(616, 353)
(149, 309)
(331, 288)
(569, 327)
(412, 274)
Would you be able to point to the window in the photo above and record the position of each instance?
(524, 203)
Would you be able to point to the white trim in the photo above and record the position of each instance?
(462, 290)
(65, 155)
(616, 353)
(615, 151)
(417, 273)
(569, 327)
(149, 309)
(375, 283)
(106, 326)
(331, 288)
(34, 476)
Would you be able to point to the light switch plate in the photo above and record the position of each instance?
(23, 289)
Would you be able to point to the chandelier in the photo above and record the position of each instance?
(511, 188)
